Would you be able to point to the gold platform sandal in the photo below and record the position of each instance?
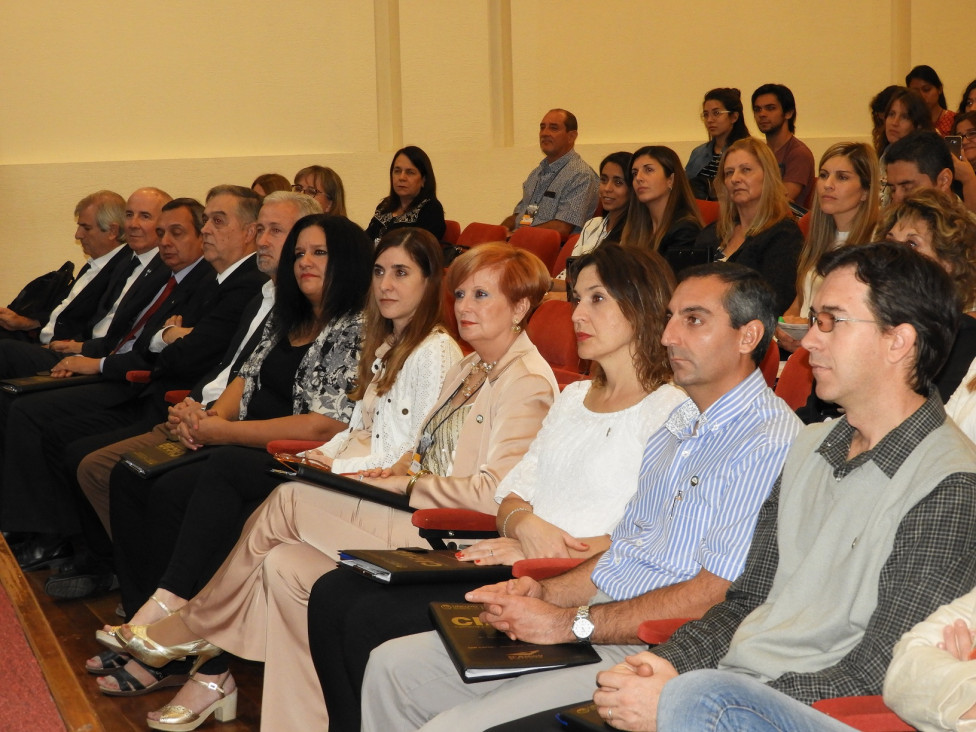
(107, 637)
(177, 718)
(151, 653)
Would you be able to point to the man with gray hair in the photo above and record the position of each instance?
(100, 222)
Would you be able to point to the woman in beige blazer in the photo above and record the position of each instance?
(491, 407)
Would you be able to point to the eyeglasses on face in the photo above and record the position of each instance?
(968, 134)
(825, 321)
(313, 192)
(715, 113)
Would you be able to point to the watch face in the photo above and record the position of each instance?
(582, 628)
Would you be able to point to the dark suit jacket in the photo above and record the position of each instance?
(76, 321)
(150, 281)
(250, 312)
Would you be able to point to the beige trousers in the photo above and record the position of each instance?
(96, 468)
(256, 604)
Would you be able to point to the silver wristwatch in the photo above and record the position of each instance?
(582, 625)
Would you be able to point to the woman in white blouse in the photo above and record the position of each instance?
(569, 491)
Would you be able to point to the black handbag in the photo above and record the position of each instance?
(41, 295)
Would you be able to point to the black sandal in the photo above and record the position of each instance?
(129, 685)
(111, 661)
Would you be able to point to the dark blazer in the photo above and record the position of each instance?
(76, 321)
(250, 312)
(150, 281)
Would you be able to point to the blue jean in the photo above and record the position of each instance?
(723, 701)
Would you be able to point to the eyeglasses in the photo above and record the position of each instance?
(716, 113)
(825, 321)
(969, 135)
(313, 192)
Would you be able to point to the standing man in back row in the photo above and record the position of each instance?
(561, 193)
(774, 108)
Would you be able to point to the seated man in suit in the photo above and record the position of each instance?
(279, 212)
(206, 296)
(137, 279)
(99, 231)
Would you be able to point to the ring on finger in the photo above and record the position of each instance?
(491, 552)
(609, 714)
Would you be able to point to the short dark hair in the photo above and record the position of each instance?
(785, 98)
(347, 277)
(926, 149)
(569, 119)
(906, 287)
(748, 298)
(190, 204)
(248, 202)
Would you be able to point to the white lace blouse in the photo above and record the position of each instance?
(384, 427)
(582, 467)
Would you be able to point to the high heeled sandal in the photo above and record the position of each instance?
(111, 661)
(108, 638)
(151, 653)
(177, 718)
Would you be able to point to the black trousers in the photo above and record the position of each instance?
(19, 358)
(350, 615)
(175, 531)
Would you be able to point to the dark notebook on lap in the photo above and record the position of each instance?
(412, 565)
(296, 469)
(42, 382)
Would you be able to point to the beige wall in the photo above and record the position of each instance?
(187, 94)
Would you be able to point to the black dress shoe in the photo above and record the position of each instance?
(78, 582)
(40, 552)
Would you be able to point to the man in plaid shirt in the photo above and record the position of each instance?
(870, 527)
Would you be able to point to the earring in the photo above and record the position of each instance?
(516, 327)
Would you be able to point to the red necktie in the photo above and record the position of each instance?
(141, 323)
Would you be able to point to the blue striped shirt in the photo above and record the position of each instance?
(703, 478)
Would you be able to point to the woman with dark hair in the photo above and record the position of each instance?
(968, 101)
(172, 532)
(755, 226)
(491, 406)
(878, 107)
(269, 183)
(905, 114)
(965, 127)
(927, 83)
(615, 196)
(722, 115)
(325, 186)
(412, 200)
(667, 218)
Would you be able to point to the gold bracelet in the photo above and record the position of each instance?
(413, 479)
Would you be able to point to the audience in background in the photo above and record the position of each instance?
(412, 200)
(269, 183)
(722, 116)
(927, 83)
(325, 186)
(774, 108)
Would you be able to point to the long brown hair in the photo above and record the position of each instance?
(639, 229)
(425, 251)
(823, 229)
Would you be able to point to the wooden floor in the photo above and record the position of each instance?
(73, 624)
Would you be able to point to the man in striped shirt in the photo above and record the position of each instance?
(681, 543)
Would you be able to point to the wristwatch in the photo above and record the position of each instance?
(582, 625)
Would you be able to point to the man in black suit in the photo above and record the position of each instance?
(124, 294)
(186, 334)
(99, 231)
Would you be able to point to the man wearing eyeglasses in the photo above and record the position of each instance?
(869, 528)
(922, 160)
(561, 192)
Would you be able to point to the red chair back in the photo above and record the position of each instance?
(770, 364)
(543, 243)
(567, 250)
(708, 210)
(804, 223)
(452, 230)
(551, 330)
(796, 381)
(477, 233)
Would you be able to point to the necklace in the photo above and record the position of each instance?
(475, 378)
